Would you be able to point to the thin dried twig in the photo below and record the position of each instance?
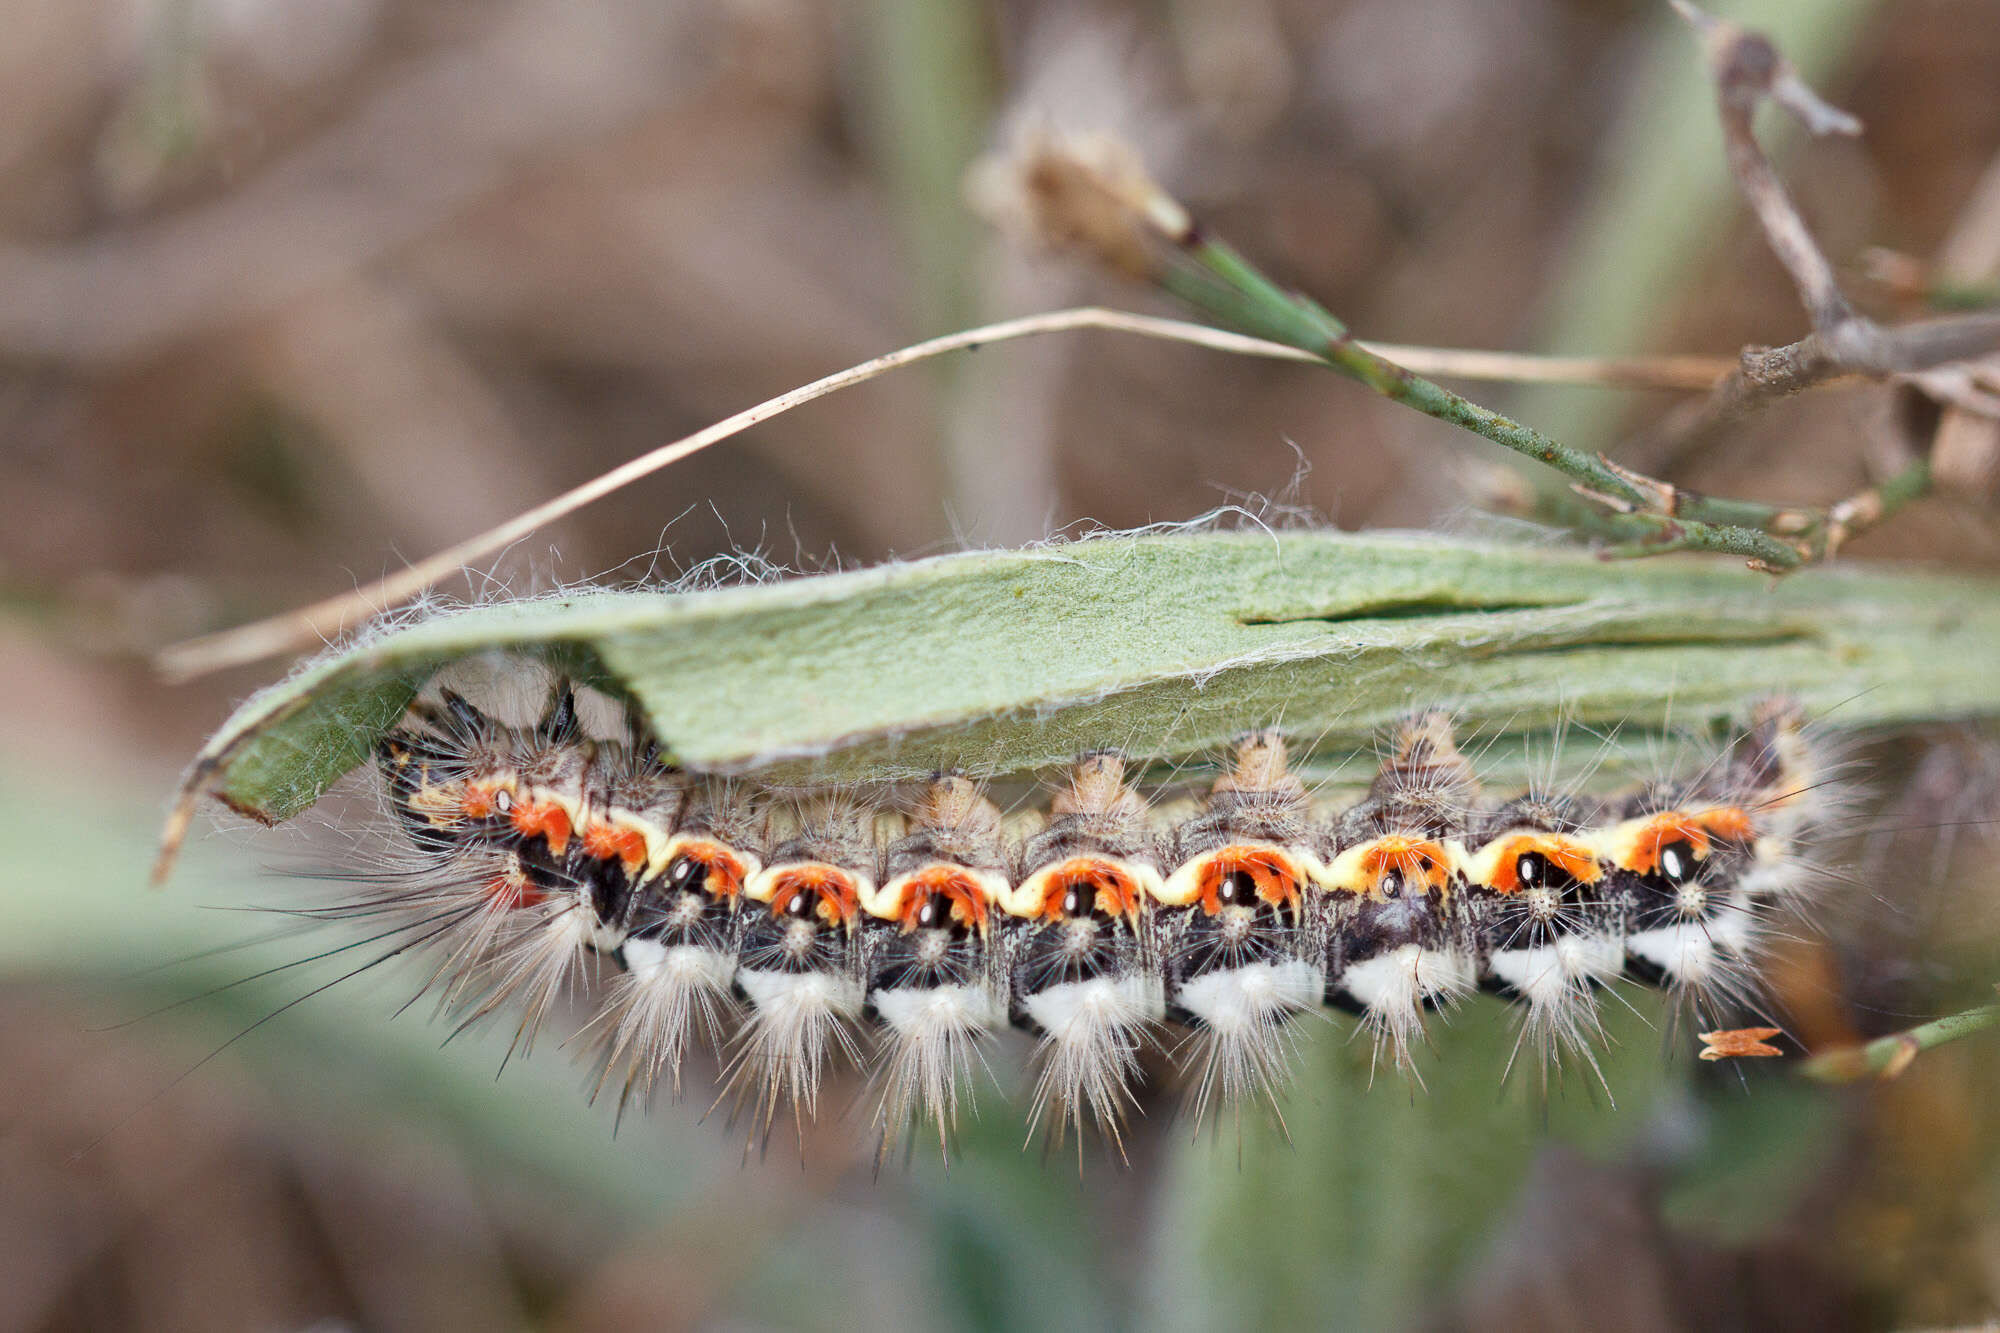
(1747, 69)
(311, 625)
(1965, 448)
(1684, 371)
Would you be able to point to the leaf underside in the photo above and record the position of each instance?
(1000, 663)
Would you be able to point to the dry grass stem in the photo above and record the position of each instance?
(322, 621)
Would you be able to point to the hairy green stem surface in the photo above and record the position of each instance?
(1229, 288)
(1886, 1056)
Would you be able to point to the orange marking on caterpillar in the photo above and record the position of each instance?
(839, 900)
(1572, 858)
(1415, 859)
(1662, 831)
(611, 842)
(965, 894)
(1269, 870)
(543, 819)
(1728, 823)
(1104, 878)
(513, 890)
(726, 870)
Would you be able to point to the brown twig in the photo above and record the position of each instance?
(1747, 69)
(1965, 448)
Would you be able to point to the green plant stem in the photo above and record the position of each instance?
(1912, 483)
(1646, 518)
(1312, 328)
(1229, 288)
(1635, 536)
(1886, 1056)
(1945, 294)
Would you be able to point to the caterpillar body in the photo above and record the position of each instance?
(792, 929)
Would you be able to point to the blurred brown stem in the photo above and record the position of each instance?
(1747, 69)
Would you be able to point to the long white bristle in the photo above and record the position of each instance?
(1393, 988)
(670, 996)
(795, 1023)
(536, 968)
(1089, 1052)
(1246, 1044)
(934, 1033)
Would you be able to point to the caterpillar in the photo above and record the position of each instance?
(906, 929)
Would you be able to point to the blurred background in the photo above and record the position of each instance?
(293, 290)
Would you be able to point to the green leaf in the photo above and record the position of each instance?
(1167, 645)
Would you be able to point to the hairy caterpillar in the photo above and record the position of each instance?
(905, 929)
